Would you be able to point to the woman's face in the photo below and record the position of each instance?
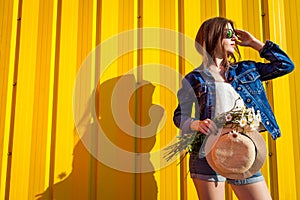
(228, 42)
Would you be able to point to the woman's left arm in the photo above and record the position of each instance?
(280, 63)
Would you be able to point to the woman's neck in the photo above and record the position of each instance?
(218, 62)
(220, 68)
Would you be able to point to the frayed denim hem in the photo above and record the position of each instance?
(212, 178)
(246, 181)
(258, 177)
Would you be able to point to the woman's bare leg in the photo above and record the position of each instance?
(208, 190)
(253, 191)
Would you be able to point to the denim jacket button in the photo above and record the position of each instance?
(267, 122)
(248, 100)
(239, 88)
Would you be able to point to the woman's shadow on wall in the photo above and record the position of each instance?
(91, 179)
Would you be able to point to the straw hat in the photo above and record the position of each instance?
(236, 155)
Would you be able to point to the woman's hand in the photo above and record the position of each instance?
(245, 38)
(206, 126)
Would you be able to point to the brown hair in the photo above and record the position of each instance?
(209, 36)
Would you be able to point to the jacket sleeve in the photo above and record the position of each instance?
(186, 98)
(279, 65)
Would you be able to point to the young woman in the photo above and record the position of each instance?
(214, 87)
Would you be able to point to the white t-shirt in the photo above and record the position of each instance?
(226, 98)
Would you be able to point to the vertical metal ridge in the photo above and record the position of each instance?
(138, 98)
(13, 104)
(181, 63)
(97, 72)
(140, 40)
(222, 8)
(55, 99)
(269, 89)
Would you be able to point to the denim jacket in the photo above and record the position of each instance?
(198, 88)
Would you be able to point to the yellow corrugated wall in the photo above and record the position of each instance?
(43, 45)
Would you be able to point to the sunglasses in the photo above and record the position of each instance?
(230, 34)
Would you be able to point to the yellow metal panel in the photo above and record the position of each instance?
(6, 16)
(76, 41)
(54, 60)
(126, 22)
(151, 18)
(126, 19)
(287, 169)
(168, 176)
(84, 46)
(252, 22)
(192, 21)
(110, 28)
(282, 108)
(293, 44)
(25, 98)
(5, 30)
(65, 139)
(235, 10)
(8, 32)
(41, 100)
(209, 9)
(62, 78)
(120, 15)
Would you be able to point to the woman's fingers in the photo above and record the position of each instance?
(242, 33)
(207, 126)
(204, 127)
(203, 130)
(194, 126)
(244, 38)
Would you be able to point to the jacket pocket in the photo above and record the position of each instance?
(251, 81)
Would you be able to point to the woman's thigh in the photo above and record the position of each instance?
(209, 190)
(253, 191)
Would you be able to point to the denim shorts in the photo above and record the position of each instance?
(199, 168)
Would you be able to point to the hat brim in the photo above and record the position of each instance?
(261, 151)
